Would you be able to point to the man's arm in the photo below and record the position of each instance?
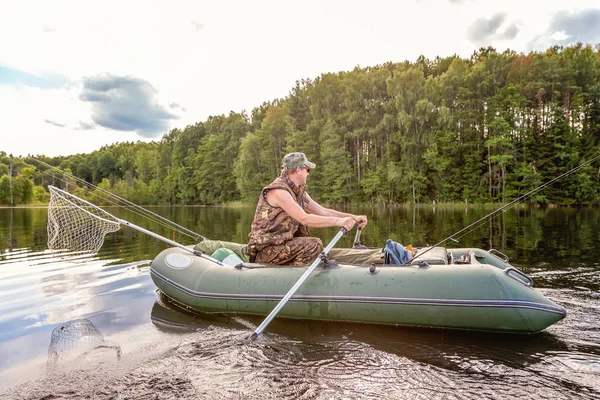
(282, 198)
(316, 208)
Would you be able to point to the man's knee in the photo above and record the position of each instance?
(316, 243)
(306, 250)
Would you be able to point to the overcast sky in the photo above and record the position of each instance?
(76, 75)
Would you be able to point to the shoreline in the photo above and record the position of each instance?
(345, 205)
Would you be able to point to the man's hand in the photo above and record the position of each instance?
(347, 223)
(361, 220)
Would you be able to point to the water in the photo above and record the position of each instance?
(153, 350)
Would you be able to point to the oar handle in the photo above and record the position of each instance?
(357, 237)
(300, 281)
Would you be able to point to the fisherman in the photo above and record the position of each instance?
(279, 233)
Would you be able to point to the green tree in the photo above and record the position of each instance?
(336, 164)
(5, 190)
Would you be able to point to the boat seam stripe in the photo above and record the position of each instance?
(366, 299)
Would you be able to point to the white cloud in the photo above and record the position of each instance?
(559, 36)
(570, 27)
(24, 129)
(207, 58)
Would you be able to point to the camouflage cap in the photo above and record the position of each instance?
(295, 160)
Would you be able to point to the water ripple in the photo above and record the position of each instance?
(189, 356)
(219, 362)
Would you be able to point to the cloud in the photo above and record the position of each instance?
(176, 105)
(483, 29)
(568, 28)
(510, 32)
(126, 103)
(84, 126)
(49, 121)
(197, 25)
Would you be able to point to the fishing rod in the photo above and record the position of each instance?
(144, 212)
(506, 206)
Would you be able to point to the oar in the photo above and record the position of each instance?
(357, 244)
(300, 281)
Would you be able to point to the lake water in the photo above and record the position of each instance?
(151, 350)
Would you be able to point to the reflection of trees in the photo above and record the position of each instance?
(23, 228)
(558, 234)
(528, 235)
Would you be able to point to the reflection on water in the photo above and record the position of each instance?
(212, 357)
(39, 292)
(169, 353)
(338, 360)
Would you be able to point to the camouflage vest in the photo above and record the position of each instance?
(272, 226)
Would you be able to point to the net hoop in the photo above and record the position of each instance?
(66, 196)
(75, 224)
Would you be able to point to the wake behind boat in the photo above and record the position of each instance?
(464, 288)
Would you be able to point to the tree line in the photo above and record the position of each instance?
(488, 128)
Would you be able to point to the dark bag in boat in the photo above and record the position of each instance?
(395, 253)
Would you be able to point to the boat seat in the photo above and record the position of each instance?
(432, 255)
(469, 258)
(208, 246)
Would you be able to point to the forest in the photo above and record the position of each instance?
(484, 129)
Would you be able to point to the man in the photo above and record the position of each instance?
(279, 233)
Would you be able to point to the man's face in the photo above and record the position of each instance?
(303, 173)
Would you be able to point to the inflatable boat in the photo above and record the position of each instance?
(461, 288)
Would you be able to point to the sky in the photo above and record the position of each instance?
(78, 75)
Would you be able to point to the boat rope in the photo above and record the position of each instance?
(469, 228)
(115, 200)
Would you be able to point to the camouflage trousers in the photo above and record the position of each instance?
(297, 251)
(304, 250)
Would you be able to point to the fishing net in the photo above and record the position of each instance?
(78, 339)
(76, 225)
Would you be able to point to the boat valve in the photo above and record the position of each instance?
(324, 259)
(423, 264)
(373, 270)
